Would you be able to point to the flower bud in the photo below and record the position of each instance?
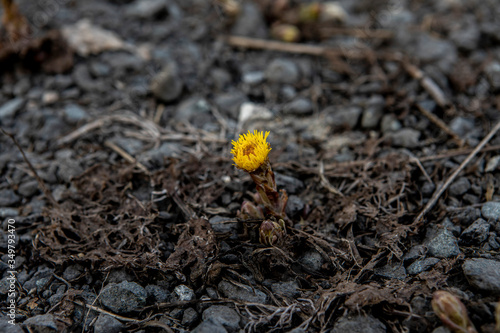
(251, 211)
(272, 233)
(285, 32)
(452, 312)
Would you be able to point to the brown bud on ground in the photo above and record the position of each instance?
(251, 211)
(452, 312)
(272, 233)
(285, 32)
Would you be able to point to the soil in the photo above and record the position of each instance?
(120, 202)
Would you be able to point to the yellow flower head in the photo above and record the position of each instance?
(251, 150)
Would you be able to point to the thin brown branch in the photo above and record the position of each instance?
(39, 180)
(437, 194)
(441, 124)
(427, 83)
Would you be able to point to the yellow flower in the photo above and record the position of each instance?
(251, 150)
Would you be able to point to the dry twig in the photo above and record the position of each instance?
(452, 177)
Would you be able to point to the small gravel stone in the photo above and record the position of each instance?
(290, 184)
(299, 107)
(220, 227)
(250, 22)
(282, 71)
(192, 108)
(160, 294)
(189, 317)
(28, 189)
(462, 126)
(406, 137)
(312, 261)
(230, 104)
(443, 244)
(288, 289)
(184, 293)
(459, 186)
(491, 210)
(167, 85)
(389, 123)
(147, 9)
(8, 212)
(107, 324)
(416, 252)
(72, 272)
(224, 315)
(209, 327)
(242, 294)
(8, 198)
(373, 112)
(359, 324)
(483, 274)
(41, 323)
(428, 188)
(294, 206)
(392, 271)
(75, 113)
(7, 327)
(492, 71)
(420, 266)
(347, 117)
(9, 109)
(124, 297)
(476, 233)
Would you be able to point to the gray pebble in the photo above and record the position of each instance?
(250, 22)
(299, 107)
(8, 212)
(462, 126)
(290, 184)
(229, 103)
(224, 315)
(294, 206)
(493, 73)
(406, 137)
(443, 244)
(483, 274)
(374, 110)
(184, 293)
(389, 123)
(312, 261)
(359, 324)
(392, 271)
(491, 210)
(5, 326)
(239, 293)
(420, 266)
(209, 327)
(74, 113)
(416, 252)
(42, 323)
(124, 297)
(9, 109)
(160, 294)
(253, 78)
(282, 71)
(107, 324)
(189, 317)
(28, 189)
(167, 85)
(459, 186)
(147, 9)
(219, 227)
(288, 289)
(347, 117)
(73, 272)
(476, 233)
(8, 198)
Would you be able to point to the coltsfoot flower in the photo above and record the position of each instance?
(251, 150)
